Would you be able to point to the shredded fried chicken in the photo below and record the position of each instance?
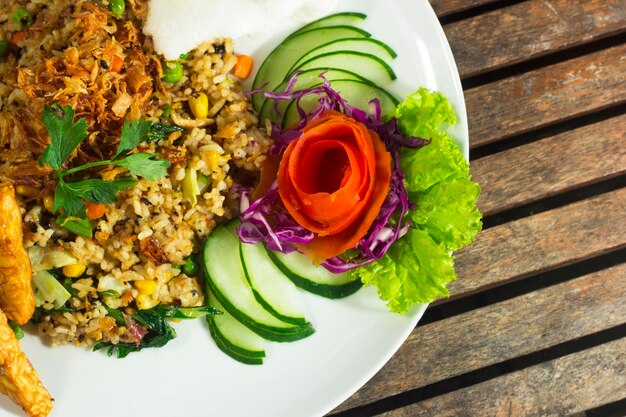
(103, 73)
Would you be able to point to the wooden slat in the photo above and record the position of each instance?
(501, 331)
(530, 29)
(541, 97)
(550, 166)
(571, 384)
(542, 242)
(447, 7)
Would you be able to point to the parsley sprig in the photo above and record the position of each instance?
(65, 136)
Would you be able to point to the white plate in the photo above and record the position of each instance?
(190, 377)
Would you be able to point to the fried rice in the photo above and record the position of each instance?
(67, 57)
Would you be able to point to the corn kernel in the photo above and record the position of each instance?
(199, 106)
(48, 203)
(74, 271)
(146, 286)
(144, 302)
(27, 191)
(213, 158)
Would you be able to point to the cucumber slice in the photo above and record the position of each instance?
(233, 338)
(271, 288)
(306, 79)
(367, 46)
(357, 93)
(274, 69)
(315, 279)
(224, 347)
(366, 65)
(345, 18)
(225, 278)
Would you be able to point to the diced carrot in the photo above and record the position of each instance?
(18, 37)
(94, 210)
(243, 67)
(117, 64)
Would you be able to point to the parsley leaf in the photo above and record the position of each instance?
(65, 135)
(71, 204)
(99, 191)
(76, 225)
(133, 134)
(70, 196)
(145, 165)
(162, 131)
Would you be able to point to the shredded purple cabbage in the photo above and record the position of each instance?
(267, 220)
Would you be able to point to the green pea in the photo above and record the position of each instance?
(191, 267)
(4, 48)
(118, 7)
(22, 17)
(172, 72)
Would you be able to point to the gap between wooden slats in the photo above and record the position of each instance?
(538, 98)
(566, 385)
(551, 166)
(529, 30)
(500, 332)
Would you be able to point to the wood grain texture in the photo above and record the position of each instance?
(447, 7)
(550, 166)
(501, 331)
(542, 242)
(541, 97)
(531, 29)
(563, 386)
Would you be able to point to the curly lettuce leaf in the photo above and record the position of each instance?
(417, 268)
(423, 113)
(439, 161)
(447, 211)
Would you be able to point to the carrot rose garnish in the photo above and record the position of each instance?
(333, 181)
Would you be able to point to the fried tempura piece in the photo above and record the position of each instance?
(18, 379)
(17, 298)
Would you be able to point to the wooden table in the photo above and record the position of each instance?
(536, 325)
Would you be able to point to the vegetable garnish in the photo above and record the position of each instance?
(445, 218)
(262, 221)
(333, 181)
(243, 67)
(117, 64)
(429, 205)
(18, 37)
(71, 196)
